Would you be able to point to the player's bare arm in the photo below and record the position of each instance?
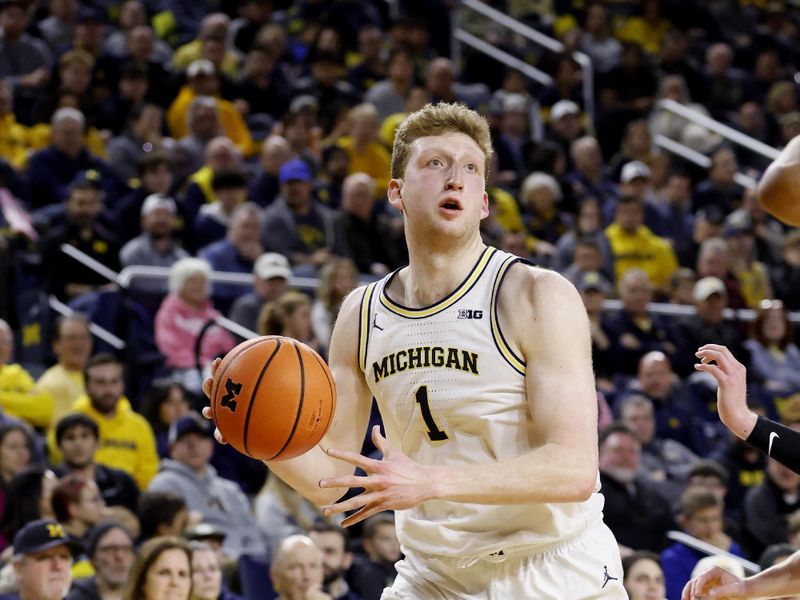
(552, 331)
(777, 190)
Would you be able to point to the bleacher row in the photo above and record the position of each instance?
(256, 136)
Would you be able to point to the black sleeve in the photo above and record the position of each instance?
(785, 447)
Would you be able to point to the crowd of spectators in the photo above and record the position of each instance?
(254, 138)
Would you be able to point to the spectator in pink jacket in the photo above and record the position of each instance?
(181, 317)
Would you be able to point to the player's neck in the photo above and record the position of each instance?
(433, 272)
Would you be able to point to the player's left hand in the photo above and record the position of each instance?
(394, 483)
(714, 583)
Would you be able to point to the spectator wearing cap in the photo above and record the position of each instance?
(25, 61)
(156, 246)
(271, 273)
(389, 95)
(126, 440)
(720, 188)
(42, 561)
(181, 317)
(202, 80)
(636, 179)
(637, 144)
(565, 125)
(786, 275)
(707, 325)
(365, 152)
(189, 474)
(155, 176)
(634, 245)
(72, 346)
(236, 252)
(264, 187)
(752, 274)
(109, 547)
(142, 136)
(295, 225)
(214, 218)
(64, 276)
(77, 437)
(53, 169)
(360, 234)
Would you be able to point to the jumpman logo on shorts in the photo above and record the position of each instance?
(607, 576)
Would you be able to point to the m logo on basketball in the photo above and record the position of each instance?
(232, 390)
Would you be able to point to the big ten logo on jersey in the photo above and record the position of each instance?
(470, 313)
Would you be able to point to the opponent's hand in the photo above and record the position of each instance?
(731, 377)
(396, 482)
(207, 382)
(714, 583)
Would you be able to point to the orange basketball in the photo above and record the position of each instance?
(272, 398)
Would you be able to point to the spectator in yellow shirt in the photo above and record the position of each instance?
(366, 153)
(635, 246)
(202, 80)
(214, 27)
(18, 397)
(126, 438)
(72, 345)
(13, 136)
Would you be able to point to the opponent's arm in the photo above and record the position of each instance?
(777, 190)
(543, 314)
(781, 580)
(777, 441)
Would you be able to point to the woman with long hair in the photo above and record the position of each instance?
(337, 278)
(162, 571)
(774, 358)
(290, 316)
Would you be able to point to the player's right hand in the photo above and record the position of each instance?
(207, 383)
(731, 377)
(715, 583)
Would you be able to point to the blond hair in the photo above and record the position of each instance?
(439, 119)
(272, 319)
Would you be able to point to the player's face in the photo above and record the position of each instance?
(443, 189)
(170, 577)
(645, 581)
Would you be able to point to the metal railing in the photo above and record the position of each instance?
(94, 328)
(729, 133)
(750, 567)
(530, 34)
(697, 158)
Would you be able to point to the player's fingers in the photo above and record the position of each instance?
(350, 504)
(207, 412)
(727, 591)
(354, 458)
(364, 513)
(207, 383)
(219, 437)
(381, 443)
(215, 365)
(349, 481)
(713, 370)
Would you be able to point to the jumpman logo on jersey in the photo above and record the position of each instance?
(375, 322)
(607, 576)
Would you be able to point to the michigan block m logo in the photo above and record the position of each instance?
(232, 390)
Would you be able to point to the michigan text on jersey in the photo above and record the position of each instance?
(425, 356)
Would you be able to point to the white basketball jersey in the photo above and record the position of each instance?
(452, 392)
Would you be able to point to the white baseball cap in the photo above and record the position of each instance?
(707, 286)
(634, 169)
(154, 201)
(272, 264)
(562, 108)
(201, 66)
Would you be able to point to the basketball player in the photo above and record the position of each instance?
(778, 188)
(480, 364)
(779, 442)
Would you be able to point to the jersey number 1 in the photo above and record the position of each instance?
(434, 433)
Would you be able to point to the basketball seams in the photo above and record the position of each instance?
(253, 395)
(299, 403)
(217, 380)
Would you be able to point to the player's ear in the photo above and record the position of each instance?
(394, 193)
(485, 205)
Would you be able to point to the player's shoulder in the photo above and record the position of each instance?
(351, 305)
(526, 280)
